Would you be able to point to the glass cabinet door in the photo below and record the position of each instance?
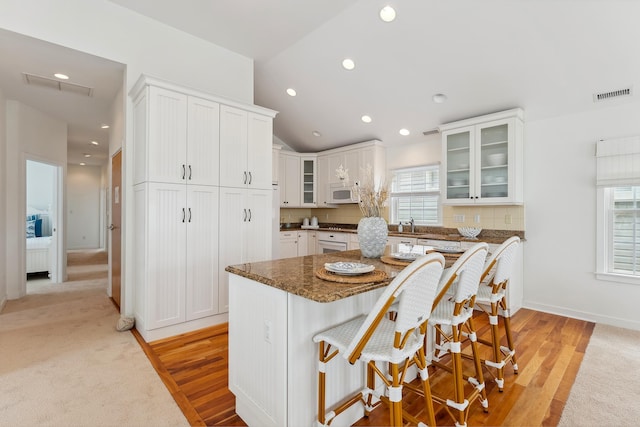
(308, 181)
(494, 161)
(458, 157)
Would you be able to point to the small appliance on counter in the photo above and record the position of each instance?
(312, 225)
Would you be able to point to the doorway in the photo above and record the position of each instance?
(44, 192)
(115, 227)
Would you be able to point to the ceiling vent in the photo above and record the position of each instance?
(32, 79)
(597, 97)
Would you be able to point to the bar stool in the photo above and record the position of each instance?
(492, 299)
(375, 338)
(452, 320)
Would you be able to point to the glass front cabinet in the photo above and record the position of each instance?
(482, 160)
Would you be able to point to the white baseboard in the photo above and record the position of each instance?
(583, 315)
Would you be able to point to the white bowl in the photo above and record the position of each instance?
(469, 232)
(497, 159)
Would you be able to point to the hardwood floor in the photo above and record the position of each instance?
(549, 348)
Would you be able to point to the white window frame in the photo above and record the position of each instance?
(393, 197)
(604, 240)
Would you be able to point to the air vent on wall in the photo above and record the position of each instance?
(612, 94)
(32, 79)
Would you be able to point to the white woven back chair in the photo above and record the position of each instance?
(375, 338)
(452, 318)
(492, 299)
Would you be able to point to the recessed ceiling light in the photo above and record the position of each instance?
(105, 126)
(94, 143)
(404, 132)
(87, 155)
(316, 133)
(348, 64)
(61, 76)
(82, 163)
(387, 14)
(439, 98)
(291, 92)
(366, 119)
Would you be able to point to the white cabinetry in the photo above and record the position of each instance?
(177, 138)
(355, 158)
(176, 229)
(297, 243)
(288, 244)
(289, 180)
(297, 180)
(245, 232)
(246, 140)
(176, 171)
(397, 240)
(482, 159)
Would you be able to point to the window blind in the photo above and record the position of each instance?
(415, 193)
(618, 162)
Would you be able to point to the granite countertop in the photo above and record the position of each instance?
(297, 275)
(432, 233)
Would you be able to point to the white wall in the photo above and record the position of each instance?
(560, 194)
(40, 185)
(3, 203)
(83, 206)
(105, 29)
(423, 151)
(30, 134)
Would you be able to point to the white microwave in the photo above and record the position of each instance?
(341, 194)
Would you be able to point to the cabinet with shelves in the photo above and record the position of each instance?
(297, 180)
(482, 159)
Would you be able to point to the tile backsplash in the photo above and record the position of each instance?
(490, 217)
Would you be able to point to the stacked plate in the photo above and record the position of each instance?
(406, 256)
(349, 268)
(450, 249)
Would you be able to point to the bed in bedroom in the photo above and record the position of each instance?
(38, 232)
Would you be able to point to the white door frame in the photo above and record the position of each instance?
(58, 243)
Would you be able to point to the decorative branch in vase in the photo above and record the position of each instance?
(372, 228)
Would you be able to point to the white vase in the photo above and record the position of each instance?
(372, 236)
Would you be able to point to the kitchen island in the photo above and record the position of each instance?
(275, 309)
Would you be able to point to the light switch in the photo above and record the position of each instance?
(458, 218)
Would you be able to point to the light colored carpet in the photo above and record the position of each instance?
(607, 386)
(62, 363)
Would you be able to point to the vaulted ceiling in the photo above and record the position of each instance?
(548, 57)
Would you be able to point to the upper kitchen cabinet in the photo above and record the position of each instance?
(355, 159)
(246, 139)
(482, 159)
(177, 137)
(297, 180)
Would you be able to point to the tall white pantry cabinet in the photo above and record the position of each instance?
(181, 141)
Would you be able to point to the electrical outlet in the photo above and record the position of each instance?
(268, 327)
(507, 219)
(458, 218)
(476, 218)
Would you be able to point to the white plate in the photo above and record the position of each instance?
(406, 256)
(450, 250)
(349, 268)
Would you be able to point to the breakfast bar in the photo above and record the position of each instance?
(275, 309)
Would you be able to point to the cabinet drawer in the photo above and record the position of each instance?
(328, 236)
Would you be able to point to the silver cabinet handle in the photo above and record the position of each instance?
(189, 172)
(245, 215)
(189, 214)
(183, 214)
(250, 178)
(245, 177)
(112, 227)
(249, 215)
(184, 171)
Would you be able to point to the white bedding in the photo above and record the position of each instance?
(38, 258)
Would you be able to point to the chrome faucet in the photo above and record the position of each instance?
(413, 226)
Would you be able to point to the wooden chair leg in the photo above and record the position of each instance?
(321, 386)
(507, 330)
(421, 363)
(495, 339)
(478, 364)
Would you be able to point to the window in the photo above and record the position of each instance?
(618, 216)
(415, 193)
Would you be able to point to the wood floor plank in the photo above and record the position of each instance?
(550, 348)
